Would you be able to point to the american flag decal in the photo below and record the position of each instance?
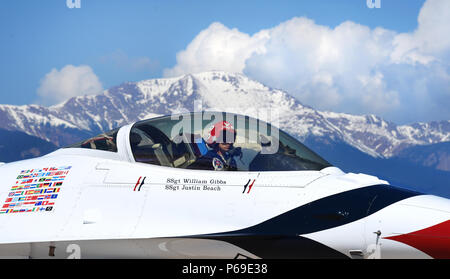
(35, 190)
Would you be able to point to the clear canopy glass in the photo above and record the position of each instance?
(239, 143)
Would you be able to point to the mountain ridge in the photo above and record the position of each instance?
(82, 116)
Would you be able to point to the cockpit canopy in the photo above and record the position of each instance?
(184, 141)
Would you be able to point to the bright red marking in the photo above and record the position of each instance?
(250, 186)
(434, 241)
(137, 183)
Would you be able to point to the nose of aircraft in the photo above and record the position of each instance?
(417, 227)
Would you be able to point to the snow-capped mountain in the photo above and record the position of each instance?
(80, 117)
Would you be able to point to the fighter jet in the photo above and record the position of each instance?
(209, 185)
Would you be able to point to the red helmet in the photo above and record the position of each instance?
(221, 132)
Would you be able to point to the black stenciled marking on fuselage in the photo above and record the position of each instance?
(245, 186)
(326, 213)
(142, 183)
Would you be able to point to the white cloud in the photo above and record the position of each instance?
(350, 68)
(430, 41)
(217, 48)
(70, 81)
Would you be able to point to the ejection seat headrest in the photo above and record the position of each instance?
(135, 139)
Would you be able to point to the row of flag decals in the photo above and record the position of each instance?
(35, 190)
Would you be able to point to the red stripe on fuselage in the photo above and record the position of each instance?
(250, 186)
(137, 183)
(434, 240)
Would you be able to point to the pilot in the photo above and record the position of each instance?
(221, 138)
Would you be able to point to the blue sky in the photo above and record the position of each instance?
(134, 40)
